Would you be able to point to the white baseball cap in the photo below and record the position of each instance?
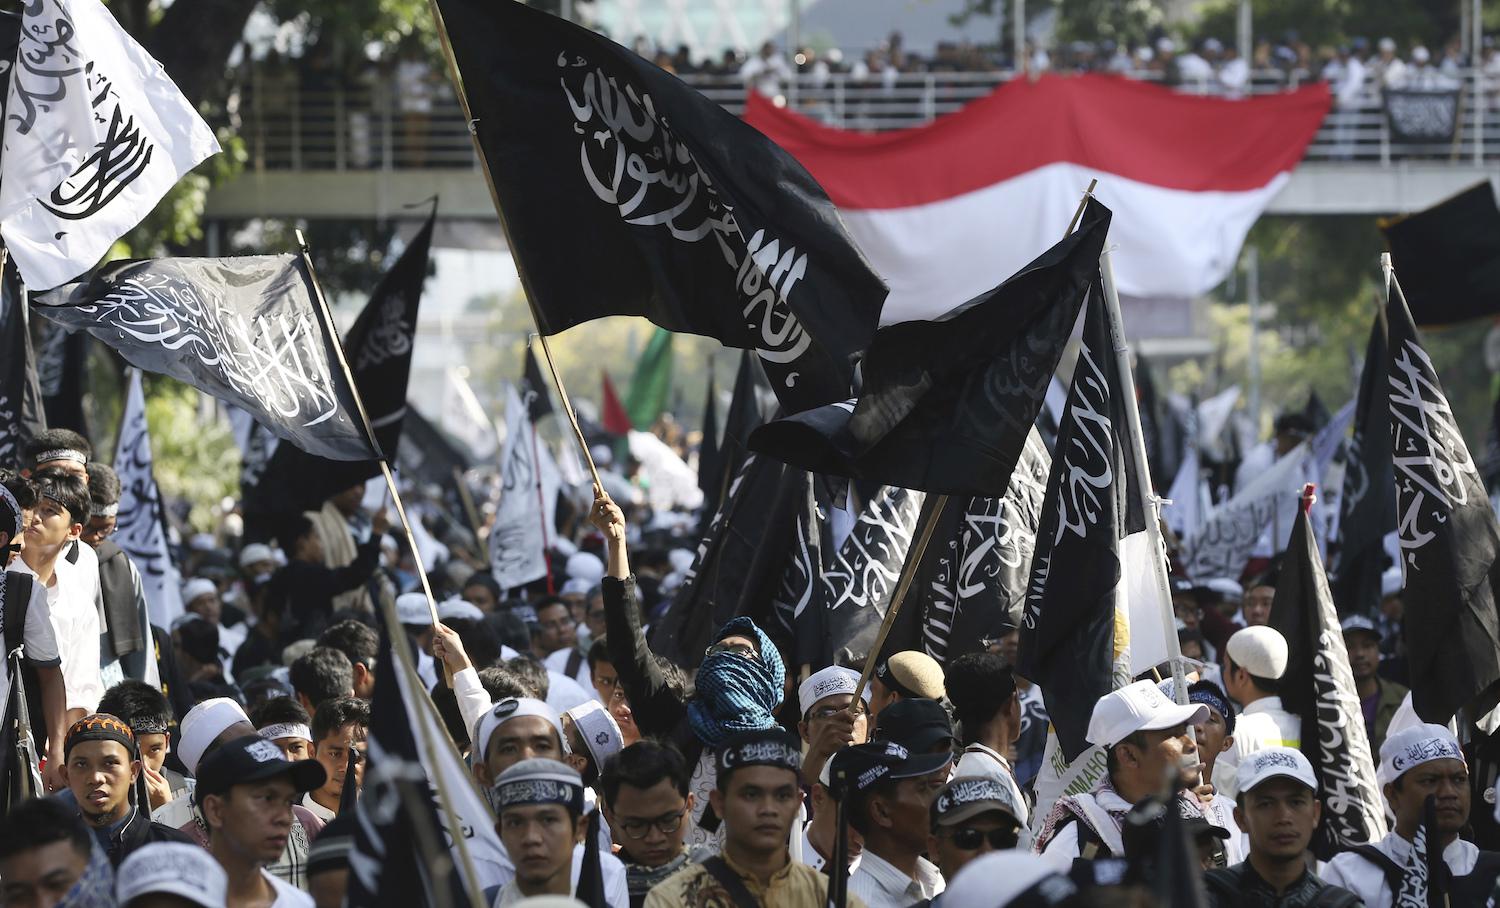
(449, 609)
(826, 682)
(202, 724)
(1260, 650)
(1003, 878)
(255, 551)
(172, 868)
(586, 567)
(1138, 707)
(411, 608)
(1414, 745)
(1272, 762)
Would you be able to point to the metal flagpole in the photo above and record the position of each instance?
(926, 525)
(393, 629)
(1142, 480)
(526, 286)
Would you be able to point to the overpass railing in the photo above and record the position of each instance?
(394, 124)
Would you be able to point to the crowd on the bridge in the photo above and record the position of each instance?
(218, 761)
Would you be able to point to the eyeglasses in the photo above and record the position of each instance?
(667, 823)
(738, 649)
(826, 712)
(968, 838)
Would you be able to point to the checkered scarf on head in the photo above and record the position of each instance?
(736, 694)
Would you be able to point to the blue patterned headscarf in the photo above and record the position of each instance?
(96, 888)
(736, 694)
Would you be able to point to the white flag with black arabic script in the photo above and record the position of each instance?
(95, 134)
(525, 519)
(139, 529)
(244, 330)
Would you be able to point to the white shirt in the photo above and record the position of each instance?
(558, 662)
(881, 885)
(563, 693)
(1363, 878)
(979, 760)
(1260, 725)
(38, 638)
(287, 895)
(616, 887)
(318, 810)
(811, 858)
(72, 604)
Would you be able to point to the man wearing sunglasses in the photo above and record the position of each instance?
(972, 816)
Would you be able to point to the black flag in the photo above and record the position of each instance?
(745, 416)
(1068, 626)
(429, 453)
(244, 330)
(379, 347)
(1449, 536)
(947, 405)
(62, 373)
(1367, 506)
(21, 412)
(709, 466)
(628, 193)
(1449, 257)
(534, 388)
(1319, 687)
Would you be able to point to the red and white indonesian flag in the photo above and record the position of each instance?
(948, 210)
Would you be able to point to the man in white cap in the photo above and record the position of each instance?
(515, 729)
(1005, 878)
(828, 724)
(416, 618)
(1417, 763)
(1145, 739)
(257, 562)
(592, 737)
(1256, 660)
(170, 873)
(1278, 809)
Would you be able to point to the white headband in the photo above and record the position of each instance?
(513, 708)
(72, 454)
(109, 510)
(286, 730)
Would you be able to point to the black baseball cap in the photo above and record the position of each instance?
(917, 724)
(253, 759)
(866, 765)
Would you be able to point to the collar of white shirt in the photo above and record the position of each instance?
(891, 882)
(1460, 856)
(1263, 705)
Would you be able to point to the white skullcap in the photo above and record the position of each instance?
(1420, 54)
(172, 868)
(449, 609)
(1261, 651)
(1001, 877)
(826, 682)
(503, 712)
(202, 542)
(203, 724)
(576, 587)
(198, 586)
(255, 551)
(411, 608)
(584, 566)
(1412, 746)
(1391, 582)
(600, 734)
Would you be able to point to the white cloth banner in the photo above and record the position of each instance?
(462, 416)
(95, 134)
(140, 531)
(525, 518)
(670, 483)
(1230, 533)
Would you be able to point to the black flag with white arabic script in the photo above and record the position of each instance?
(244, 330)
(1368, 503)
(62, 361)
(947, 404)
(379, 348)
(1068, 625)
(628, 193)
(1319, 687)
(21, 412)
(1449, 536)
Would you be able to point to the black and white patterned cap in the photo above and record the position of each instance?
(539, 782)
(772, 747)
(970, 796)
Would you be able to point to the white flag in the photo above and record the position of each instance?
(525, 520)
(462, 416)
(1229, 536)
(139, 529)
(95, 134)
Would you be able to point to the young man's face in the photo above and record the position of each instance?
(556, 629)
(479, 596)
(100, 528)
(333, 753)
(607, 685)
(100, 773)
(954, 846)
(759, 806)
(254, 819)
(1279, 816)
(1447, 781)
(1364, 654)
(207, 606)
(1257, 605)
(539, 838)
(1165, 750)
(154, 750)
(521, 738)
(594, 617)
(640, 818)
(40, 877)
(1213, 739)
(295, 749)
(50, 528)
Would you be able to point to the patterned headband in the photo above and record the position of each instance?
(286, 730)
(108, 510)
(9, 501)
(72, 454)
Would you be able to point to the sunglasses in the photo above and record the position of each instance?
(968, 838)
(738, 649)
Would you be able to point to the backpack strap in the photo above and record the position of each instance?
(739, 893)
(1394, 873)
(17, 600)
(575, 661)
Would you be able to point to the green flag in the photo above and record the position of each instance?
(652, 381)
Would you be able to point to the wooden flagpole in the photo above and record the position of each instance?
(393, 629)
(924, 533)
(489, 180)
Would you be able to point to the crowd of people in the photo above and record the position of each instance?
(219, 761)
